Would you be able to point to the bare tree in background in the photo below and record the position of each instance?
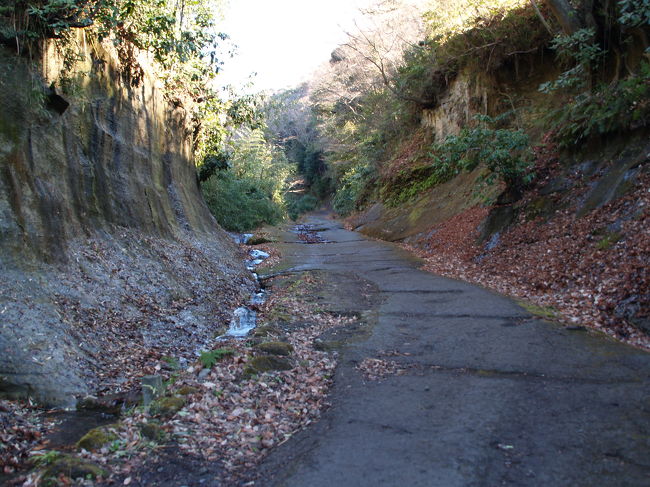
(372, 54)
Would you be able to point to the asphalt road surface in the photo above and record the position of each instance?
(490, 394)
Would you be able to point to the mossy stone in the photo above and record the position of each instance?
(187, 391)
(258, 239)
(268, 363)
(275, 348)
(153, 431)
(265, 331)
(90, 403)
(97, 437)
(73, 468)
(167, 406)
(328, 346)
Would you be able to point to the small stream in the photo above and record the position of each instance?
(244, 318)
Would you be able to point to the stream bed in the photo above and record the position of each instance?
(245, 318)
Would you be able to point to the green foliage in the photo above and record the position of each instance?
(303, 204)
(239, 205)
(504, 152)
(173, 362)
(212, 163)
(350, 188)
(181, 36)
(292, 126)
(600, 105)
(608, 241)
(44, 459)
(634, 13)
(579, 50)
(209, 359)
(610, 108)
(251, 192)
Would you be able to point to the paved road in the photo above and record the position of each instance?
(493, 395)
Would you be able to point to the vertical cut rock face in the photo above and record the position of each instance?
(109, 258)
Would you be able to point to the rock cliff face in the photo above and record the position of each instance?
(109, 257)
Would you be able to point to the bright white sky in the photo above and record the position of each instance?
(283, 41)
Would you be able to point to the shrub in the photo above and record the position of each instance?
(239, 204)
(350, 188)
(504, 152)
(621, 106)
(303, 204)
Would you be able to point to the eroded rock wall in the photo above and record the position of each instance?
(106, 245)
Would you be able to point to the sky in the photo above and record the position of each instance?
(283, 41)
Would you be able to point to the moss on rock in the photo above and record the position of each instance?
(97, 437)
(153, 431)
(258, 239)
(166, 407)
(187, 391)
(90, 403)
(71, 467)
(266, 363)
(265, 331)
(275, 348)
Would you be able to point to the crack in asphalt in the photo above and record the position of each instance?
(505, 374)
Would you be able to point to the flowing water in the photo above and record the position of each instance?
(244, 318)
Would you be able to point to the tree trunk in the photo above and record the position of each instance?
(566, 15)
(541, 17)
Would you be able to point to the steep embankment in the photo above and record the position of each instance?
(109, 257)
(575, 240)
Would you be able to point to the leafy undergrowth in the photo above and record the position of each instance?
(131, 325)
(594, 271)
(230, 414)
(21, 430)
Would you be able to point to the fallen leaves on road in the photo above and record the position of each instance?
(593, 271)
(307, 234)
(375, 369)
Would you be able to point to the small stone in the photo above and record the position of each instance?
(204, 373)
(166, 407)
(152, 388)
(276, 348)
(97, 437)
